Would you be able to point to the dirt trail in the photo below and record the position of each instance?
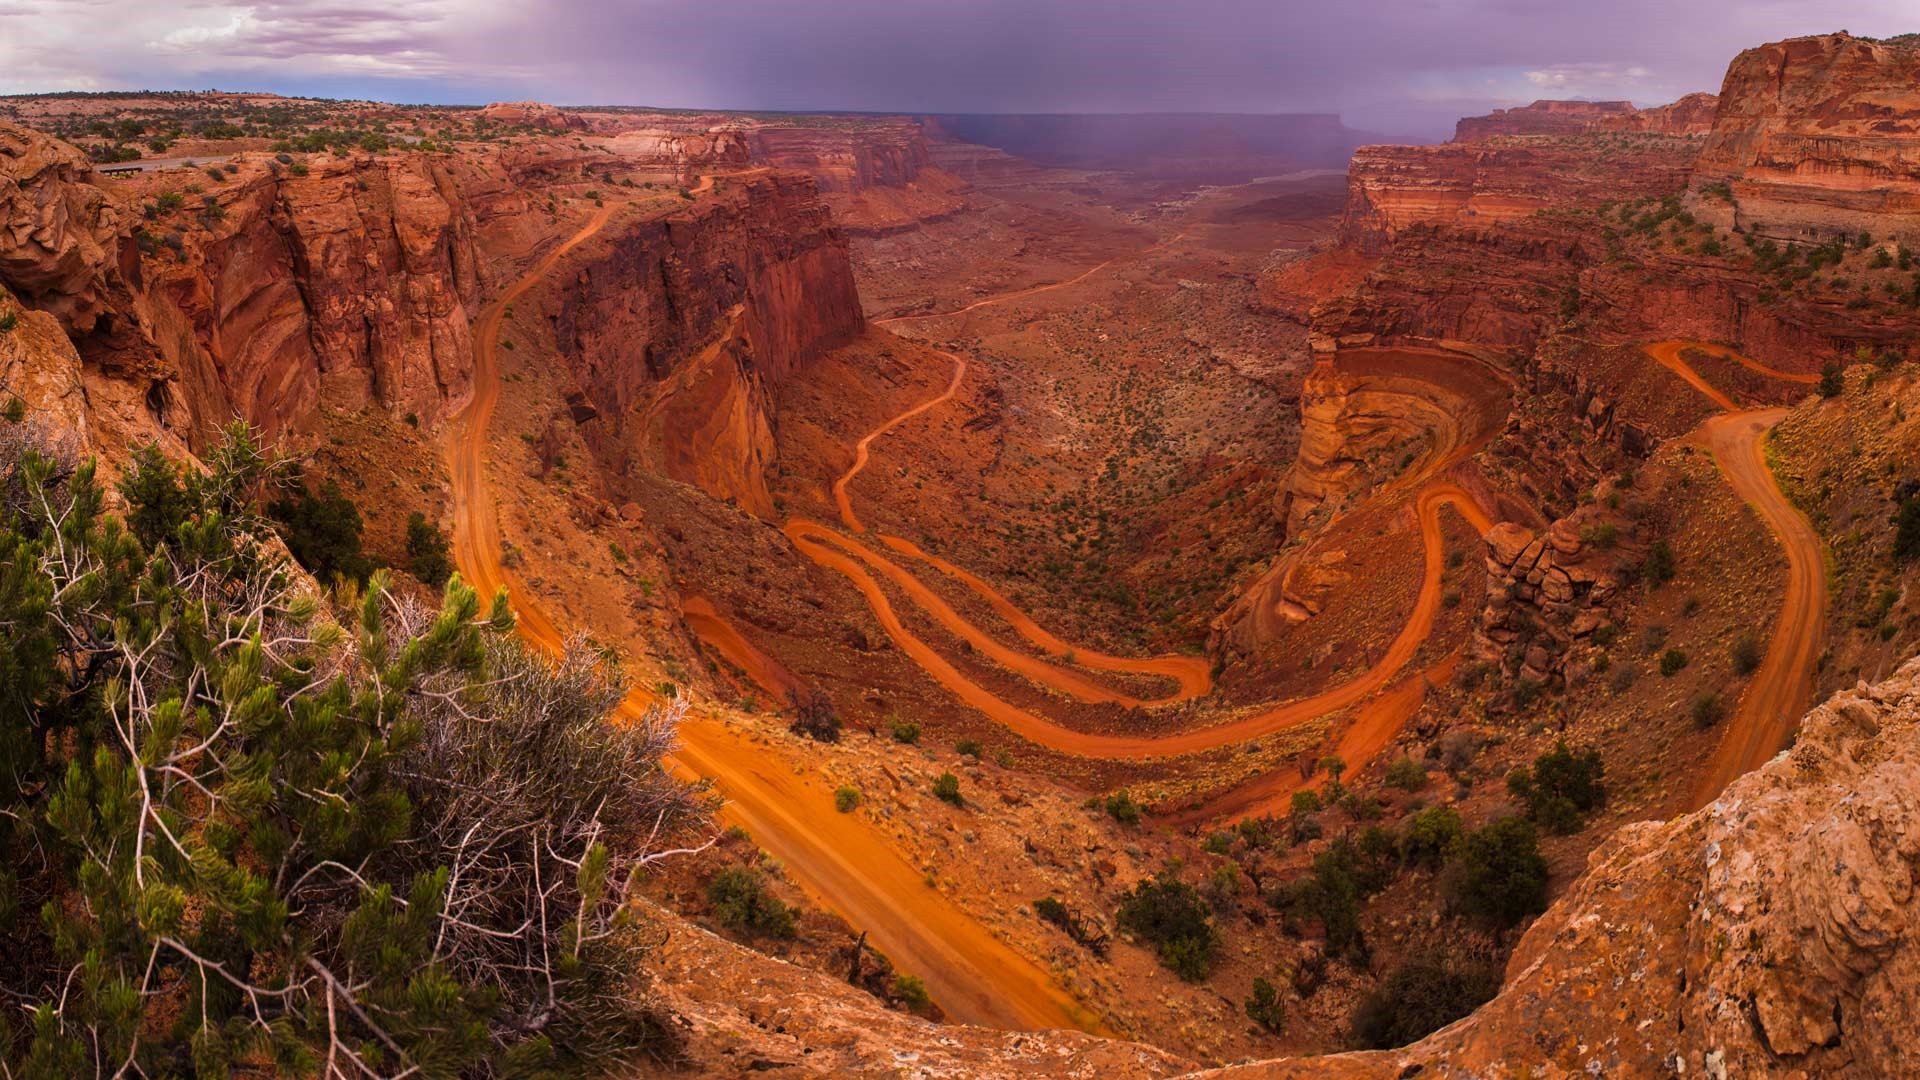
(714, 630)
(1022, 294)
(1782, 688)
(837, 552)
(862, 451)
(837, 858)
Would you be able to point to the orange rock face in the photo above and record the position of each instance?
(1691, 115)
(877, 177)
(1819, 136)
(1392, 188)
(533, 114)
(1544, 117)
(680, 330)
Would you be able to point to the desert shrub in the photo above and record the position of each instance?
(846, 798)
(396, 841)
(1265, 1008)
(1082, 930)
(1171, 915)
(1425, 993)
(813, 717)
(1122, 808)
(1672, 662)
(946, 788)
(1343, 877)
(1561, 787)
(968, 747)
(1431, 836)
(906, 731)
(741, 902)
(429, 554)
(911, 991)
(1745, 653)
(1407, 775)
(1832, 379)
(322, 530)
(1705, 709)
(1906, 530)
(1658, 567)
(1500, 875)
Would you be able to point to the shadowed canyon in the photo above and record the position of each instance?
(549, 590)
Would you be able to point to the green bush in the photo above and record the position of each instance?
(429, 554)
(1425, 993)
(846, 798)
(1500, 875)
(1407, 775)
(741, 902)
(1561, 787)
(1265, 1008)
(906, 731)
(911, 991)
(1832, 379)
(1122, 808)
(1706, 710)
(323, 532)
(1172, 916)
(1672, 662)
(1659, 566)
(968, 747)
(1431, 837)
(373, 836)
(1906, 531)
(946, 788)
(1745, 653)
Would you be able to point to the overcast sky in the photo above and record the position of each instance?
(1393, 66)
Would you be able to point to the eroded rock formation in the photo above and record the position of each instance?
(1544, 117)
(877, 177)
(1692, 115)
(537, 114)
(681, 328)
(1818, 136)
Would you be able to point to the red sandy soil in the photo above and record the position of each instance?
(973, 975)
(1780, 692)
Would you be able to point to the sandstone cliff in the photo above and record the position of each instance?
(536, 114)
(1692, 115)
(1818, 136)
(1544, 117)
(877, 176)
(1391, 188)
(680, 329)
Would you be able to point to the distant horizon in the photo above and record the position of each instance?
(1380, 65)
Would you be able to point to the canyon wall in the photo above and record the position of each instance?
(1820, 136)
(1544, 117)
(877, 176)
(680, 329)
(1391, 188)
(1692, 115)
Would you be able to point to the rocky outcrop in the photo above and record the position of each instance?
(1478, 184)
(534, 114)
(679, 330)
(65, 246)
(1819, 136)
(1544, 117)
(877, 176)
(1546, 592)
(1690, 116)
(748, 1014)
(1776, 932)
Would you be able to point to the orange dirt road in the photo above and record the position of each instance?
(836, 552)
(840, 860)
(1782, 688)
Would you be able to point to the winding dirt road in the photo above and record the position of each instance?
(839, 859)
(1782, 688)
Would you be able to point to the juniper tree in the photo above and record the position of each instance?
(243, 835)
